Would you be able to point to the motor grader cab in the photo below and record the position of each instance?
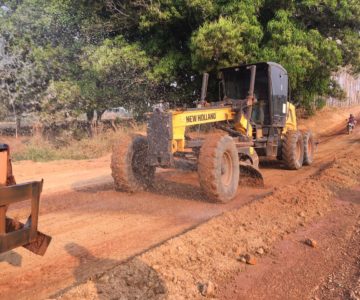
(254, 116)
(13, 233)
(272, 116)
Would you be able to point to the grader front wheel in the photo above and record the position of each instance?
(129, 166)
(293, 150)
(218, 168)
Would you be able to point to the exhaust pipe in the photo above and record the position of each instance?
(251, 97)
(252, 82)
(204, 87)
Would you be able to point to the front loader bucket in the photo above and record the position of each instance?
(250, 175)
(15, 234)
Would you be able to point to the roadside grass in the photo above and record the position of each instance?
(41, 150)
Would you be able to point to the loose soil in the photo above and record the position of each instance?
(168, 243)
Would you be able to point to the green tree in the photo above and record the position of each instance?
(97, 54)
(311, 38)
(51, 35)
(21, 82)
(114, 73)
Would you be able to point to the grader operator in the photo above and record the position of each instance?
(255, 117)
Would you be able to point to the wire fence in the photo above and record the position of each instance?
(351, 86)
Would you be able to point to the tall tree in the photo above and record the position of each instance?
(97, 54)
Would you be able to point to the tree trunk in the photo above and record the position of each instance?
(99, 124)
(113, 126)
(17, 125)
(90, 118)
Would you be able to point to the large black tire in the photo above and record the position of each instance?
(309, 148)
(218, 168)
(293, 150)
(129, 165)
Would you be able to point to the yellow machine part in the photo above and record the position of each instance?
(3, 167)
(244, 126)
(291, 123)
(183, 119)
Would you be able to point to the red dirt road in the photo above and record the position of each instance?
(293, 270)
(93, 227)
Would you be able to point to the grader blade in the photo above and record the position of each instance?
(251, 175)
(15, 234)
(38, 246)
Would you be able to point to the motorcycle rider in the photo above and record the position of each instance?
(352, 120)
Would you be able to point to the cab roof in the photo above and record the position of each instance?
(271, 64)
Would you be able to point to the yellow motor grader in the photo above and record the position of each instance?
(255, 117)
(13, 233)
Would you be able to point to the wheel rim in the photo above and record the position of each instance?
(310, 149)
(226, 169)
(298, 150)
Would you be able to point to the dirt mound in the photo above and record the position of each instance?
(210, 253)
(133, 280)
(344, 171)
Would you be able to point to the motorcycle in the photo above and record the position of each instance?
(350, 127)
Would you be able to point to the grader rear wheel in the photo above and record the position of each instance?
(293, 150)
(129, 166)
(218, 168)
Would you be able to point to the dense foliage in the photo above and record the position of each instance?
(73, 56)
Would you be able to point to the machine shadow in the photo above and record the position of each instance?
(272, 164)
(12, 258)
(328, 136)
(100, 183)
(165, 184)
(181, 183)
(178, 190)
(131, 279)
(95, 188)
(349, 195)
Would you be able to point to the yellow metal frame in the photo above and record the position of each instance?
(183, 119)
(291, 122)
